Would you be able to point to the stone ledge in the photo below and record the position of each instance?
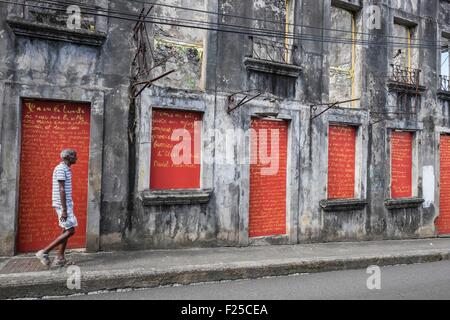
(444, 95)
(175, 197)
(343, 205)
(272, 67)
(403, 203)
(21, 27)
(409, 88)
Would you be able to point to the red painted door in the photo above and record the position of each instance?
(341, 162)
(267, 211)
(443, 221)
(401, 164)
(48, 127)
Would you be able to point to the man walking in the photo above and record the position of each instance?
(63, 204)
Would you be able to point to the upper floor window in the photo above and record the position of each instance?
(271, 56)
(179, 48)
(444, 65)
(403, 51)
(277, 16)
(343, 57)
(405, 62)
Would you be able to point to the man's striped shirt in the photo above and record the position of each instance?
(62, 172)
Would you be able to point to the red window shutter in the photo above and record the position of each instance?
(341, 162)
(401, 164)
(166, 174)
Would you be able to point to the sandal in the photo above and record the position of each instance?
(62, 263)
(43, 258)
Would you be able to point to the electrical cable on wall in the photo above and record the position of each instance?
(202, 25)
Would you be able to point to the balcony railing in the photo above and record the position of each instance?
(444, 83)
(405, 75)
(274, 51)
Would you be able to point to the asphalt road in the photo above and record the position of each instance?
(420, 281)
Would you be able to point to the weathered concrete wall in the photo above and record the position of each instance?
(402, 222)
(444, 12)
(406, 5)
(180, 48)
(47, 69)
(115, 65)
(7, 222)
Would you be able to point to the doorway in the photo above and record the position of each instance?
(48, 127)
(267, 207)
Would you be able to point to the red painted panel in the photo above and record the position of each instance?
(166, 173)
(401, 164)
(341, 162)
(48, 127)
(443, 221)
(267, 211)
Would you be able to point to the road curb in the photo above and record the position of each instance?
(54, 283)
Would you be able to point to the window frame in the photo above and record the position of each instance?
(355, 68)
(412, 54)
(191, 101)
(355, 165)
(359, 192)
(200, 182)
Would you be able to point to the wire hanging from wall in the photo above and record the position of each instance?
(229, 28)
(144, 59)
(314, 107)
(233, 102)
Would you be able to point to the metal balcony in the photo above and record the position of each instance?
(274, 51)
(264, 54)
(405, 76)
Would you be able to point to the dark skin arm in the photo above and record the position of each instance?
(62, 195)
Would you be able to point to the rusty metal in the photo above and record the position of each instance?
(405, 75)
(410, 77)
(313, 108)
(243, 101)
(265, 48)
(144, 60)
(150, 82)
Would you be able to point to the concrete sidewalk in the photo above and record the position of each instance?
(23, 276)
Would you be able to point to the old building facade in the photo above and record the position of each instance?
(356, 90)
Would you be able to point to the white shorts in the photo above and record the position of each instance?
(71, 221)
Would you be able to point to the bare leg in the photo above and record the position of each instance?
(60, 240)
(62, 250)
